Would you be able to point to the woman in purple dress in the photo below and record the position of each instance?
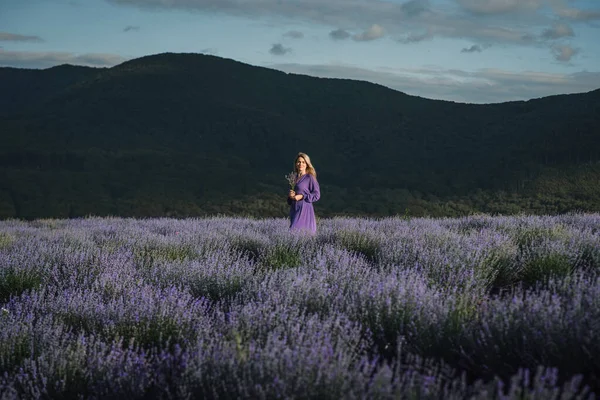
(305, 192)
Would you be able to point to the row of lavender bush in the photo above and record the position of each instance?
(478, 307)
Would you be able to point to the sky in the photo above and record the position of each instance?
(468, 51)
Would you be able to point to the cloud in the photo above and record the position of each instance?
(579, 15)
(473, 49)
(564, 52)
(374, 32)
(415, 38)
(350, 13)
(481, 86)
(210, 50)
(339, 34)
(130, 28)
(507, 22)
(278, 50)
(294, 34)
(499, 6)
(472, 29)
(415, 7)
(27, 59)
(13, 37)
(558, 31)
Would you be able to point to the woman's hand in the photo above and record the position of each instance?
(292, 195)
(298, 197)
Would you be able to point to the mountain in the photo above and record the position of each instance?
(21, 88)
(190, 134)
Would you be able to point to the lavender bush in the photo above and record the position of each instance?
(471, 308)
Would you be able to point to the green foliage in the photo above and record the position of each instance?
(545, 266)
(6, 240)
(146, 255)
(249, 246)
(150, 332)
(387, 324)
(47, 223)
(464, 312)
(281, 256)
(80, 323)
(69, 373)
(241, 347)
(531, 236)
(500, 270)
(215, 288)
(589, 257)
(145, 332)
(14, 348)
(359, 242)
(142, 156)
(406, 216)
(13, 282)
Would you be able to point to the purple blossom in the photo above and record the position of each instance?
(473, 307)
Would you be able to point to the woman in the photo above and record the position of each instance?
(305, 192)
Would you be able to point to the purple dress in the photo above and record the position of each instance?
(302, 213)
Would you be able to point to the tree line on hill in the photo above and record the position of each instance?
(194, 135)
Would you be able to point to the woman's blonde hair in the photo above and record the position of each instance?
(309, 167)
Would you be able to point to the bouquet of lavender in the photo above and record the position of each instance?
(292, 177)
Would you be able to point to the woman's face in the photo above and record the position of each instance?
(301, 165)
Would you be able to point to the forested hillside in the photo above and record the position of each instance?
(191, 135)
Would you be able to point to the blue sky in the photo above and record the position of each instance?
(475, 51)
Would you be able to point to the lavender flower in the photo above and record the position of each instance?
(477, 307)
(292, 178)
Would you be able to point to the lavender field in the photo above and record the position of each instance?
(221, 308)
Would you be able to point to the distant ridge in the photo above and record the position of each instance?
(193, 134)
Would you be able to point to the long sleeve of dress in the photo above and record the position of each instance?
(314, 191)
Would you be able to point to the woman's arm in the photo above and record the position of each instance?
(314, 191)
